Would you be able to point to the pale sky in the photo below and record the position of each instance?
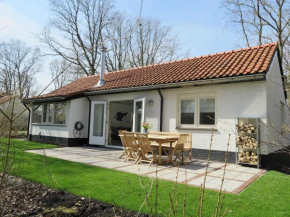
(200, 25)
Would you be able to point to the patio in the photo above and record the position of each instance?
(237, 178)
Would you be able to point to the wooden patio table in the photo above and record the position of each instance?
(162, 140)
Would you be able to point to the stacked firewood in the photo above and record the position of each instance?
(247, 142)
(246, 128)
(248, 157)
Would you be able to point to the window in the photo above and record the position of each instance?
(207, 111)
(44, 113)
(197, 111)
(60, 113)
(49, 113)
(36, 113)
(187, 111)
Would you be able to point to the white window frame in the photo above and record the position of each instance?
(186, 97)
(54, 113)
(47, 111)
(196, 97)
(215, 110)
(32, 116)
(143, 118)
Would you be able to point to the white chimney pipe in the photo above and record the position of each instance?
(101, 80)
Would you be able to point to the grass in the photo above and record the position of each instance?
(268, 196)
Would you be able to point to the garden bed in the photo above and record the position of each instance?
(24, 198)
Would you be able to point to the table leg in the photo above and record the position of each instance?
(160, 152)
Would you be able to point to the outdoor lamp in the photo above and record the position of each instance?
(151, 102)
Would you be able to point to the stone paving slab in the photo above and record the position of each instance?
(237, 177)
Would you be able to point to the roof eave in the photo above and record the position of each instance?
(49, 99)
(187, 83)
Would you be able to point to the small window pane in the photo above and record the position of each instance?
(99, 110)
(44, 113)
(50, 112)
(207, 111)
(187, 112)
(36, 114)
(60, 113)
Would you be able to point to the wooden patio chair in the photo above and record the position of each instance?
(132, 147)
(123, 140)
(145, 149)
(177, 150)
(188, 147)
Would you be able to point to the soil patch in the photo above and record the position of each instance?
(24, 198)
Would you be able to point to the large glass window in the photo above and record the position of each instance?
(36, 113)
(207, 111)
(49, 113)
(187, 111)
(60, 113)
(197, 110)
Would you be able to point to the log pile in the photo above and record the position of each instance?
(248, 157)
(246, 128)
(247, 142)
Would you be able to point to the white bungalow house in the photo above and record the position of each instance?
(190, 95)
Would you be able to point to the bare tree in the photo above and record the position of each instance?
(18, 66)
(80, 24)
(70, 72)
(153, 43)
(121, 28)
(262, 21)
(139, 45)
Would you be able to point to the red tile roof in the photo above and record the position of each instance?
(248, 61)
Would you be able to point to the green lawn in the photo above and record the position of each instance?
(268, 196)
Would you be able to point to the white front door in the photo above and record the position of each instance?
(138, 114)
(98, 122)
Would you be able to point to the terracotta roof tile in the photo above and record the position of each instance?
(253, 60)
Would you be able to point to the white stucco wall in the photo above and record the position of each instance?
(246, 99)
(79, 111)
(275, 95)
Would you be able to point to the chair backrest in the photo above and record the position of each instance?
(131, 141)
(179, 146)
(188, 143)
(182, 139)
(144, 142)
(123, 140)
